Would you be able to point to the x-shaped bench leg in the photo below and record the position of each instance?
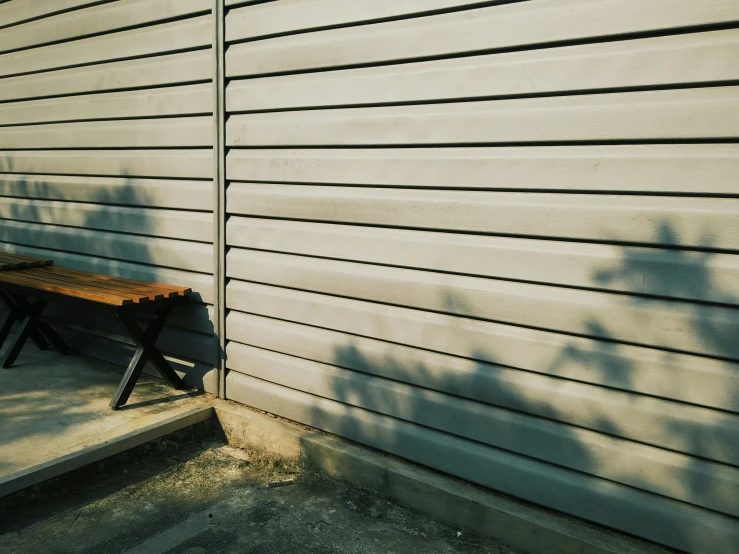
(17, 313)
(31, 327)
(145, 351)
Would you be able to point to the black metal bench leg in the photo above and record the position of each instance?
(28, 328)
(19, 308)
(41, 332)
(145, 351)
(20, 342)
(7, 328)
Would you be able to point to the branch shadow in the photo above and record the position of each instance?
(633, 419)
(111, 225)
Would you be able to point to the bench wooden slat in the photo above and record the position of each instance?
(79, 277)
(169, 291)
(78, 282)
(22, 278)
(151, 289)
(16, 261)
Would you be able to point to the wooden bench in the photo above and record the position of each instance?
(126, 297)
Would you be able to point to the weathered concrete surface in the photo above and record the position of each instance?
(198, 498)
(53, 406)
(520, 524)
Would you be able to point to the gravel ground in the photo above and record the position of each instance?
(191, 494)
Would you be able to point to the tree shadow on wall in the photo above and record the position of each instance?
(119, 226)
(634, 411)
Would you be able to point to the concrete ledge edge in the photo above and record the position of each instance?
(58, 466)
(523, 526)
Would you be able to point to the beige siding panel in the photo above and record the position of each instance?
(618, 460)
(288, 16)
(661, 272)
(644, 419)
(193, 316)
(681, 377)
(98, 19)
(650, 516)
(98, 345)
(640, 418)
(166, 133)
(179, 254)
(671, 114)
(674, 168)
(14, 12)
(672, 60)
(651, 322)
(169, 101)
(181, 343)
(163, 38)
(145, 163)
(657, 220)
(171, 68)
(516, 25)
(201, 283)
(182, 194)
(142, 221)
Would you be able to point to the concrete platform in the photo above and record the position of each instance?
(54, 415)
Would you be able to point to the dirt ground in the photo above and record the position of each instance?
(193, 494)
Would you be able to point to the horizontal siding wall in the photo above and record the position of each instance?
(498, 239)
(106, 160)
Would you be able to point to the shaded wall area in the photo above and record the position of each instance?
(498, 239)
(106, 157)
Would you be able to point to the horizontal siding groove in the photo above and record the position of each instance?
(17, 13)
(625, 508)
(607, 457)
(163, 163)
(186, 225)
(683, 114)
(193, 195)
(154, 251)
(685, 327)
(99, 20)
(508, 27)
(706, 59)
(482, 98)
(150, 72)
(659, 221)
(645, 370)
(666, 169)
(634, 270)
(148, 133)
(230, 4)
(177, 101)
(145, 117)
(291, 18)
(167, 38)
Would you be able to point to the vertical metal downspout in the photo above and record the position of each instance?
(219, 192)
